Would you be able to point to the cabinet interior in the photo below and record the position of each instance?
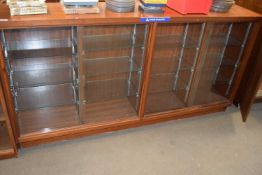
(41, 66)
(63, 77)
(67, 76)
(112, 59)
(182, 76)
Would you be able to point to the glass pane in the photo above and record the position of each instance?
(42, 69)
(174, 60)
(112, 65)
(179, 80)
(219, 63)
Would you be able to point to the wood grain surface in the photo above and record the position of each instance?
(56, 17)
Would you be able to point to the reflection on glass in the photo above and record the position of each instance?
(112, 65)
(183, 77)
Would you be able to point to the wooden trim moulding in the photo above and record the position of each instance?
(8, 97)
(6, 154)
(56, 17)
(147, 69)
(92, 129)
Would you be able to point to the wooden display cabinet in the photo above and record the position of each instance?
(75, 75)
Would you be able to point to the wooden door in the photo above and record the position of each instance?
(196, 64)
(251, 84)
(111, 67)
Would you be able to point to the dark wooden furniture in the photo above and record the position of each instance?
(250, 90)
(67, 76)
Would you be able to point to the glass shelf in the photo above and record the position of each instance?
(104, 42)
(45, 96)
(108, 66)
(38, 56)
(43, 74)
(220, 40)
(174, 41)
(101, 90)
(38, 44)
(107, 111)
(165, 81)
(213, 60)
(48, 119)
(164, 64)
(163, 101)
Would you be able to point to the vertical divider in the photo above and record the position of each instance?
(243, 44)
(147, 68)
(224, 49)
(8, 94)
(140, 71)
(131, 60)
(181, 56)
(81, 75)
(198, 62)
(75, 66)
(193, 69)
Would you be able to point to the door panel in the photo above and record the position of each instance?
(173, 64)
(253, 78)
(111, 69)
(182, 77)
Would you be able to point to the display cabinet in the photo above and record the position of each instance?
(66, 76)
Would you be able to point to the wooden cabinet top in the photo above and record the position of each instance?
(56, 17)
